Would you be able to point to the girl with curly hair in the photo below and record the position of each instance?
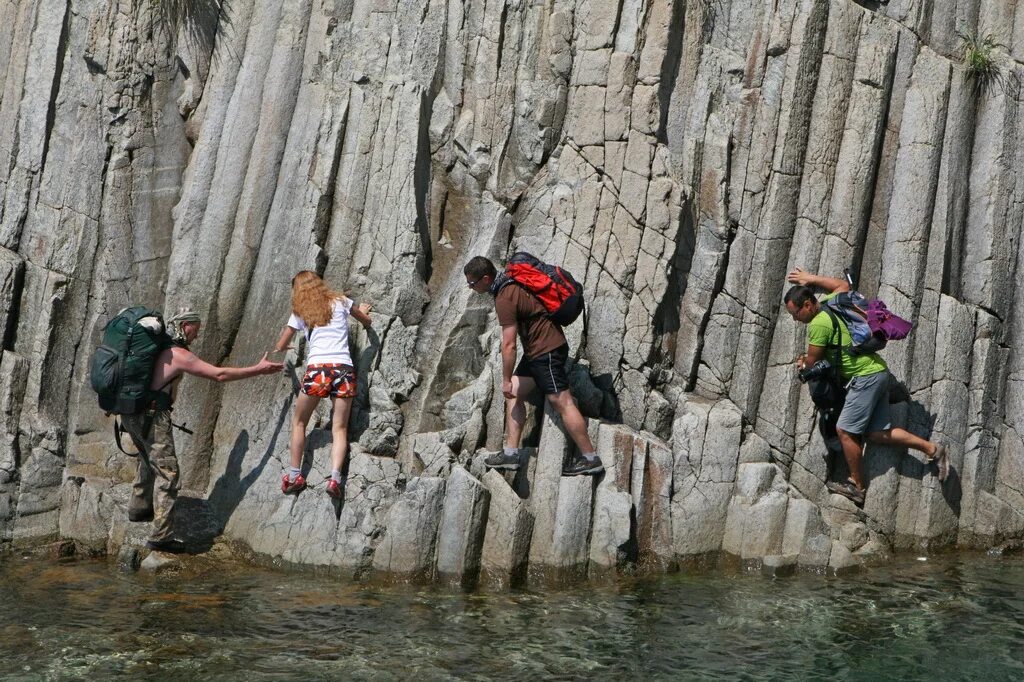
(323, 315)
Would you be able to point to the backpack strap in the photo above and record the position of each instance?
(142, 454)
(838, 335)
(503, 280)
(118, 430)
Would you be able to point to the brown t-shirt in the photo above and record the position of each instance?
(515, 305)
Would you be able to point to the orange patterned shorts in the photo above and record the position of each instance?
(329, 380)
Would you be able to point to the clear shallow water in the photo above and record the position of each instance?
(957, 617)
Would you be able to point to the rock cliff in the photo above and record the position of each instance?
(678, 157)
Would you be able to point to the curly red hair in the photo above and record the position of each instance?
(312, 299)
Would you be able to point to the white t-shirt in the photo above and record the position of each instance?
(327, 344)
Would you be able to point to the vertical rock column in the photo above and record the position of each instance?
(463, 522)
(506, 545)
(706, 439)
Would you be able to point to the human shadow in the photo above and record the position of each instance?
(878, 461)
(366, 361)
(231, 486)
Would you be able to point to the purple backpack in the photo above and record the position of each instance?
(870, 322)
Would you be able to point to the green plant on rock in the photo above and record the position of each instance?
(979, 52)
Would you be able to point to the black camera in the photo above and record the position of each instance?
(819, 370)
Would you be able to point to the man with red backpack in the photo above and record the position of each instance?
(531, 299)
(863, 374)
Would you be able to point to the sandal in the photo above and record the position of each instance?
(847, 490)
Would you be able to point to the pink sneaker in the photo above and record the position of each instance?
(335, 489)
(296, 486)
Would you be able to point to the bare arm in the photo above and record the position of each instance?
(814, 353)
(186, 362)
(830, 284)
(284, 340)
(362, 313)
(508, 356)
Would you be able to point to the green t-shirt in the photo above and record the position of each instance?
(820, 333)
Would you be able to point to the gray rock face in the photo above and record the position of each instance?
(407, 548)
(460, 535)
(507, 535)
(679, 158)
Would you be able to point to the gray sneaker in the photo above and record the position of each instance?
(582, 465)
(499, 460)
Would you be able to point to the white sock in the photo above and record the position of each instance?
(335, 475)
(293, 472)
(511, 452)
(592, 456)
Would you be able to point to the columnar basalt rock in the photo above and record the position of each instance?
(679, 157)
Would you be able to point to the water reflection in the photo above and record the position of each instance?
(960, 617)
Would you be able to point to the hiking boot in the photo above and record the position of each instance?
(336, 489)
(296, 486)
(847, 490)
(499, 460)
(169, 545)
(941, 459)
(140, 515)
(583, 465)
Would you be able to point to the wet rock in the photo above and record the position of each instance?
(779, 565)
(160, 562)
(129, 559)
(841, 560)
(816, 552)
(875, 550)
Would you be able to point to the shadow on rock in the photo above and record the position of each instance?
(196, 524)
(231, 487)
(366, 361)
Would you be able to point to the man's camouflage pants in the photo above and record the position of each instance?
(151, 432)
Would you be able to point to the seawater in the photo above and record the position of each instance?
(949, 617)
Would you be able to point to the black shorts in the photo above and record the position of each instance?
(547, 369)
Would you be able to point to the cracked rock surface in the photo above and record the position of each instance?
(678, 157)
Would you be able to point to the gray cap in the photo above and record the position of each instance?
(184, 315)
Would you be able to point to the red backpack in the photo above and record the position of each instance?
(556, 289)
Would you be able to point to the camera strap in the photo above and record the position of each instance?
(836, 332)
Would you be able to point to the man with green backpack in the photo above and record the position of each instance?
(136, 372)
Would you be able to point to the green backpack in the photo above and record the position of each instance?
(122, 367)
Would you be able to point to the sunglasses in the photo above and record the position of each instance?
(473, 284)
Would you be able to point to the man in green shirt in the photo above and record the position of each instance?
(865, 414)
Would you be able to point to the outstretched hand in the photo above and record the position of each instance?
(265, 366)
(364, 308)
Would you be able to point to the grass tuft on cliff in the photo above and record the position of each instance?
(979, 52)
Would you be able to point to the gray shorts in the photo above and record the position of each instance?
(866, 409)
